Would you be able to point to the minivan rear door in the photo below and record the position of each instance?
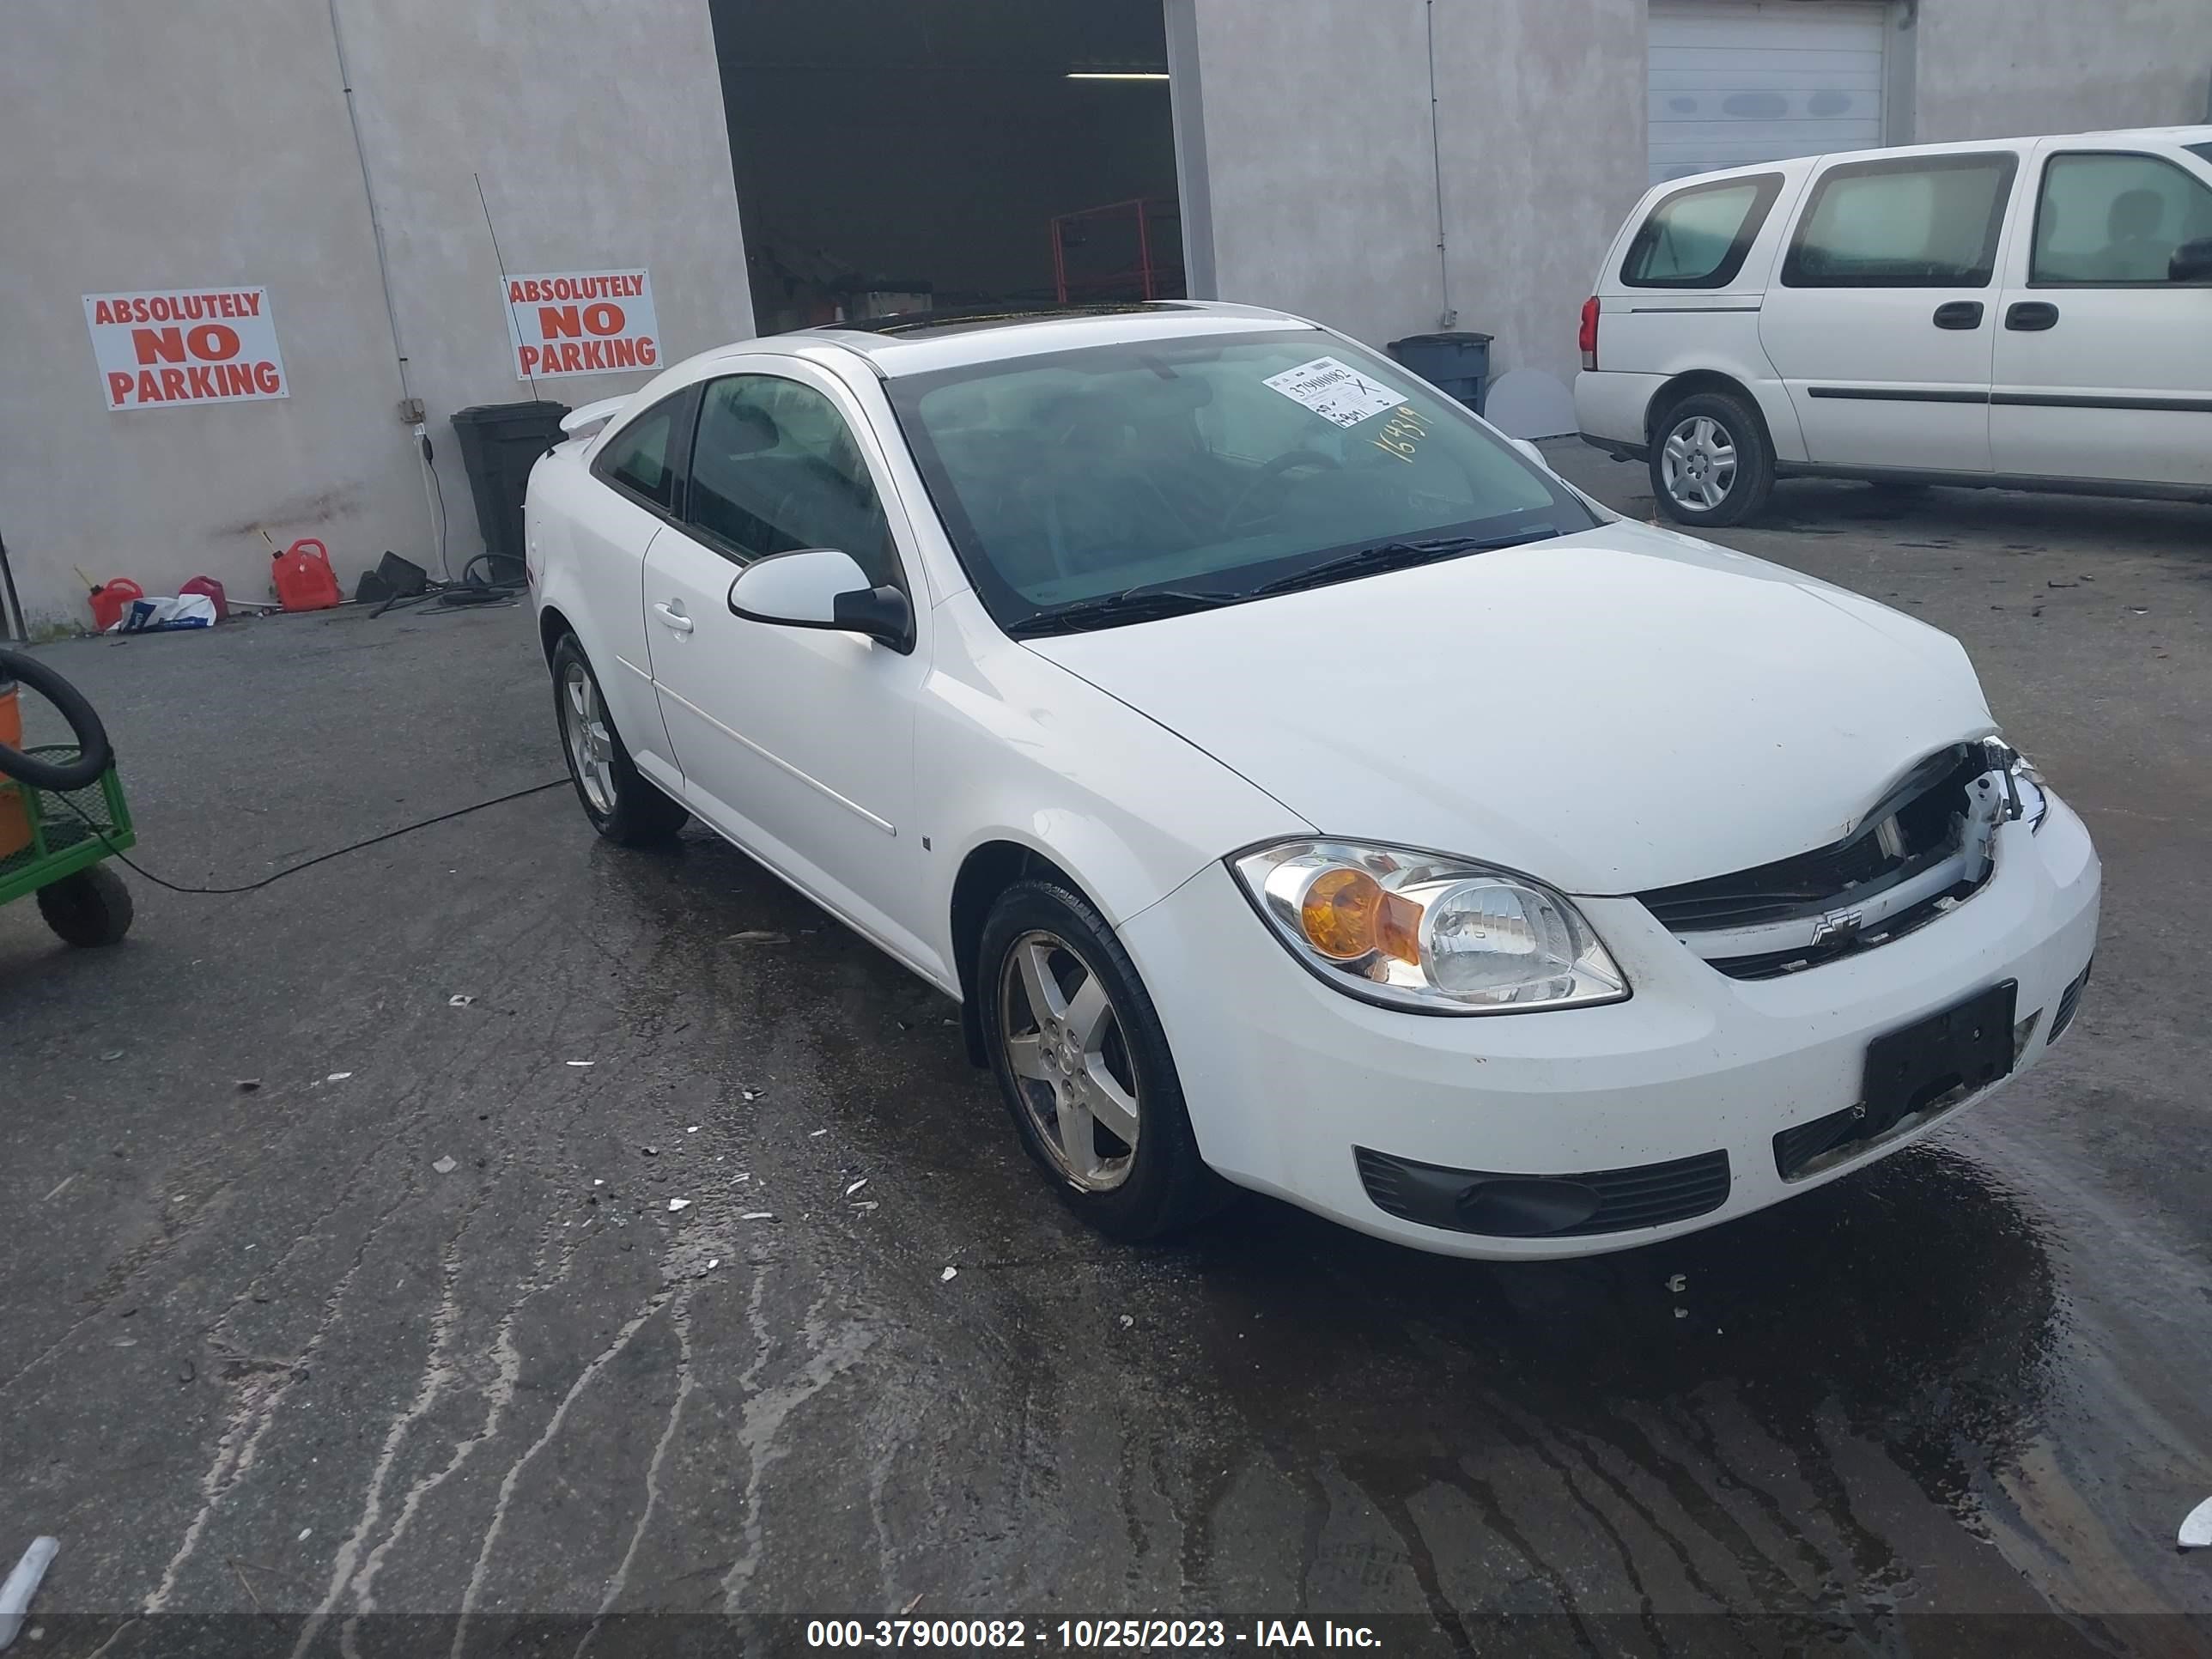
(1879, 321)
(2104, 343)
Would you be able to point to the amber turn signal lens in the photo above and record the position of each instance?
(1346, 916)
(1337, 914)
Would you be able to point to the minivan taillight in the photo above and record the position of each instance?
(1589, 332)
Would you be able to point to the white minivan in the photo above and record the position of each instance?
(2027, 313)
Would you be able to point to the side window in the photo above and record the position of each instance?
(640, 460)
(1698, 238)
(775, 468)
(2115, 220)
(1922, 221)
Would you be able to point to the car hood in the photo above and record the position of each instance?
(1616, 710)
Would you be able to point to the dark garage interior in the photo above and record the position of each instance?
(902, 154)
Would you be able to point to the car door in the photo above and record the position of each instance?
(637, 478)
(2104, 356)
(1880, 323)
(796, 742)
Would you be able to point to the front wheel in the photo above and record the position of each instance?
(1712, 463)
(622, 804)
(1083, 1065)
(89, 909)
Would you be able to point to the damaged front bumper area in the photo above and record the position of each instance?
(1926, 849)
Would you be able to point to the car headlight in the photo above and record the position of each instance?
(1425, 931)
(2031, 798)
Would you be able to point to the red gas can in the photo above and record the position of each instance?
(305, 581)
(111, 599)
(213, 589)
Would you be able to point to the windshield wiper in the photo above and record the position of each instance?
(1398, 556)
(1132, 605)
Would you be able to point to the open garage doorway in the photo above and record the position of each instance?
(927, 154)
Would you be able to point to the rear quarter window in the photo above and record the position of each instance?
(1698, 237)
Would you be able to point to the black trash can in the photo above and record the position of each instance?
(1458, 362)
(500, 443)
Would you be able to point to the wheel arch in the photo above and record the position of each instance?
(1768, 401)
(551, 625)
(987, 870)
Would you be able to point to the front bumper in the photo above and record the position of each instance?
(1286, 1076)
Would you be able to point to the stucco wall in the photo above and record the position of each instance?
(1323, 178)
(600, 139)
(142, 148)
(140, 151)
(1316, 119)
(1541, 113)
(1998, 68)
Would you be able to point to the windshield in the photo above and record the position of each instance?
(1214, 467)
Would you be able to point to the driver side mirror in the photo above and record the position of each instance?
(2191, 262)
(822, 587)
(1534, 455)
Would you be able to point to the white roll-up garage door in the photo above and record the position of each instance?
(1739, 81)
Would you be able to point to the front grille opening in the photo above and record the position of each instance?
(1805, 910)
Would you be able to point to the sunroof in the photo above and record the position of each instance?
(921, 324)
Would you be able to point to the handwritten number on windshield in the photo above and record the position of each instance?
(1403, 434)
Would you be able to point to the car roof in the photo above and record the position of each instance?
(923, 342)
(1797, 165)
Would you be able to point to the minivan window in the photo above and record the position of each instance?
(640, 460)
(1915, 222)
(1215, 466)
(2111, 220)
(1698, 237)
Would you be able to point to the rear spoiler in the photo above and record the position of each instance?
(583, 423)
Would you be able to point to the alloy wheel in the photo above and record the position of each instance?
(591, 743)
(1698, 463)
(1071, 1061)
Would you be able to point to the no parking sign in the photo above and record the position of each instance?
(581, 322)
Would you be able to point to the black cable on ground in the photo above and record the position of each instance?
(472, 591)
(308, 864)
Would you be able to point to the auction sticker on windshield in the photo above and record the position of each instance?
(1336, 391)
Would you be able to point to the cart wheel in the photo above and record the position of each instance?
(92, 907)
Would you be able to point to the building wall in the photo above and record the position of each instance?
(118, 177)
(1323, 170)
(1998, 68)
(140, 148)
(600, 143)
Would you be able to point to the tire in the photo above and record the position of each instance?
(89, 909)
(1721, 468)
(1159, 1184)
(623, 805)
(94, 754)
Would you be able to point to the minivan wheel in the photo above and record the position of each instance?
(1084, 1066)
(620, 804)
(1712, 463)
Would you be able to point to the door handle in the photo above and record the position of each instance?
(673, 617)
(1959, 314)
(2031, 315)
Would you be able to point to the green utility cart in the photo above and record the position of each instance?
(62, 813)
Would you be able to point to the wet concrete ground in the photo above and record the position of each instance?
(258, 1356)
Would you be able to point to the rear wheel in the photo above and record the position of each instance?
(622, 804)
(1710, 461)
(91, 908)
(1083, 1065)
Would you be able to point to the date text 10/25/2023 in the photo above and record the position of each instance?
(1084, 1635)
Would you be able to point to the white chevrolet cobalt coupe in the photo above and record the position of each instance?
(1300, 787)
